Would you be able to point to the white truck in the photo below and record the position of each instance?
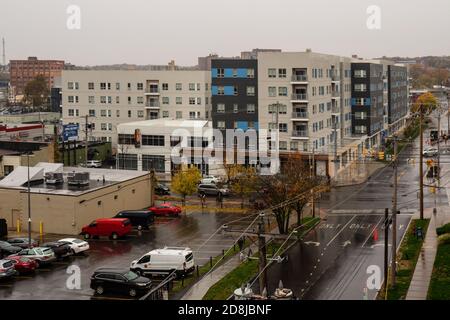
(165, 261)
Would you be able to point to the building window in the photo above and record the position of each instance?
(282, 91)
(103, 113)
(220, 90)
(103, 126)
(70, 85)
(272, 73)
(165, 86)
(91, 113)
(272, 91)
(294, 145)
(220, 124)
(283, 127)
(140, 86)
(129, 100)
(220, 108)
(250, 73)
(283, 145)
(361, 129)
(360, 74)
(110, 126)
(178, 87)
(179, 115)
(129, 113)
(154, 162)
(140, 100)
(129, 85)
(152, 140)
(127, 162)
(117, 99)
(235, 90)
(192, 101)
(178, 100)
(70, 99)
(199, 101)
(71, 112)
(191, 86)
(282, 73)
(118, 113)
(220, 73)
(235, 108)
(102, 85)
(250, 91)
(109, 99)
(140, 114)
(191, 114)
(250, 108)
(90, 86)
(198, 87)
(117, 86)
(91, 99)
(165, 114)
(360, 87)
(109, 113)
(165, 100)
(360, 115)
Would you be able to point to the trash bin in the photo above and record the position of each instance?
(3, 228)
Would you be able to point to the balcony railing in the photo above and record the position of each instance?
(335, 110)
(299, 78)
(299, 96)
(299, 114)
(152, 90)
(300, 133)
(153, 104)
(336, 94)
(334, 77)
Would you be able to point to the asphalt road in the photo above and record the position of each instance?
(188, 231)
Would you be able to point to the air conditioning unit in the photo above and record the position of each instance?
(54, 178)
(78, 179)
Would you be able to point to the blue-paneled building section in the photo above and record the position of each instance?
(234, 86)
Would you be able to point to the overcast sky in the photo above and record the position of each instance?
(156, 31)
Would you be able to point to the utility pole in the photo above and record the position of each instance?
(262, 255)
(421, 162)
(87, 143)
(335, 144)
(4, 55)
(386, 248)
(394, 215)
(439, 148)
(313, 175)
(29, 200)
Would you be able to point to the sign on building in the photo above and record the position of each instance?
(70, 132)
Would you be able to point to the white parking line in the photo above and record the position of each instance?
(337, 234)
(373, 230)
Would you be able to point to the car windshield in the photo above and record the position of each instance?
(130, 275)
(77, 241)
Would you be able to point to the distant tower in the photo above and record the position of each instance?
(4, 55)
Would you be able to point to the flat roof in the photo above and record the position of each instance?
(18, 179)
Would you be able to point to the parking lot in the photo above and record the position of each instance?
(191, 230)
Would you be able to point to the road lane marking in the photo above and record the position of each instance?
(373, 230)
(337, 234)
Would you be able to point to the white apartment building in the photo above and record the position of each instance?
(310, 92)
(112, 97)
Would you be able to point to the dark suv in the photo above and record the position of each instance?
(121, 281)
(140, 219)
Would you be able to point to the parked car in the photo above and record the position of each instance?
(23, 265)
(119, 281)
(114, 228)
(162, 189)
(212, 190)
(42, 255)
(210, 180)
(141, 219)
(7, 249)
(165, 261)
(61, 249)
(76, 245)
(430, 152)
(94, 164)
(6, 269)
(22, 242)
(166, 209)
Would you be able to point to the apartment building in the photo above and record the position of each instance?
(112, 97)
(23, 71)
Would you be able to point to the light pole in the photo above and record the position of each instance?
(29, 200)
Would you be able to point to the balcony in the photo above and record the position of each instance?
(300, 134)
(299, 79)
(152, 91)
(152, 105)
(335, 94)
(335, 77)
(301, 97)
(335, 110)
(300, 115)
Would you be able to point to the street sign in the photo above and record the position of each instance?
(70, 132)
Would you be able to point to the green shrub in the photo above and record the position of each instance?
(444, 229)
(444, 239)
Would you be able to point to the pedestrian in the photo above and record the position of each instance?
(241, 241)
(203, 200)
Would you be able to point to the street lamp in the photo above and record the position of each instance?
(29, 200)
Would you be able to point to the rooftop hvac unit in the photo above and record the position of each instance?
(78, 179)
(54, 178)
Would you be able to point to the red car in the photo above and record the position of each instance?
(109, 227)
(23, 264)
(166, 209)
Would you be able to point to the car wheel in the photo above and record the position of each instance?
(132, 293)
(114, 236)
(86, 236)
(37, 264)
(99, 290)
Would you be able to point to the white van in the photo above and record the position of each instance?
(165, 261)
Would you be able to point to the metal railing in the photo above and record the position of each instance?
(335, 94)
(299, 96)
(300, 133)
(154, 104)
(299, 77)
(299, 114)
(152, 90)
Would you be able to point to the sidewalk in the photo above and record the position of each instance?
(356, 173)
(418, 288)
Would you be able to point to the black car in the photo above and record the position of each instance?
(22, 242)
(141, 219)
(7, 249)
(7, 269)
(162, 189)
(61, 249)
(119, 281)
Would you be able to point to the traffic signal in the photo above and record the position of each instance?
(381, 155)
